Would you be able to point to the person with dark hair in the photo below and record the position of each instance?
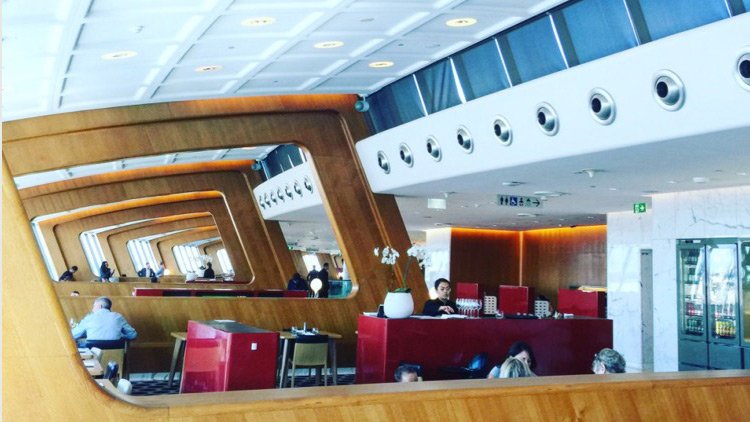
(103, 324)
(105, 273)
(323, 276)
(209, 273)
(406, 373)
(442, 305)
(520, 351)
(608, 361)
(68, 274)
(297, 283)
(313, 274)
(161, 270)
(147, 271)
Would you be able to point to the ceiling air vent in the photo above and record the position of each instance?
(383, 162)
(669, 91)
(405, 153)
(464, 140)
(547, 119)
(433, 148)
(501, 127)
(602, 106)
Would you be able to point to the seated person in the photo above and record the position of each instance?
(161, 270)
(515, 368)
(442, 305)
(105, 273)
(209, 273)
(406, 373)
(297, 283)
(147, 272)
(518, 350)
(608, 361)
(68, 274)
(103, 324)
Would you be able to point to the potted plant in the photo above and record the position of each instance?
(399, 303)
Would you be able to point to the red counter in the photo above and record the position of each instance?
(561, 347)
(228, 356)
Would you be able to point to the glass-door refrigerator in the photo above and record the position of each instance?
(691, 300)
(722, 294)
(745, 298)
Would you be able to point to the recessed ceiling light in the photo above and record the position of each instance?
(117, 55)
(461, 22)
(210, 68)
(741, 173)
(381, 64)
(699, 179)
(612, 189)
(512, 183)
(329, 44)
(649, 192)
(672, 182)
(262, 21)
(526, 214)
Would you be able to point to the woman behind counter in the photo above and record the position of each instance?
(442, 305)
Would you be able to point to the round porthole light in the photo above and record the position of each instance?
(502, 130)
(743, 70)
(405, 153)
(383, 162)
(433, 148)
(669, 91)
(547, 119)
(602, 106)
(464, 140)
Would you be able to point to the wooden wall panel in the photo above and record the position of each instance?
(65, 235)
(557, 258)
(262, 242)
(95, 289)
(299, 263)
(487, 257)
(165, 244)
(117, 239)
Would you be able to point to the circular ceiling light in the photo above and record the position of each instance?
(328, 44)
(460, 22)
(210, 68)
(117, 55)
(262, 21)
(381, 64)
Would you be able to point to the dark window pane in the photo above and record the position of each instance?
(480, 70)
(438, 87)
(591, 29)
(531, 51)
(281, 159)
(667, 17)
(395, 104)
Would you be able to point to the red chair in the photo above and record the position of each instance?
(467, 290)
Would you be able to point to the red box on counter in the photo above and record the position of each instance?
(582, 303)
(515, 299)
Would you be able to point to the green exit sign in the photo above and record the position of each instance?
(639, 207)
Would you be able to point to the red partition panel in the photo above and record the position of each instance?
(228, 356)
(295, 293)
(561, 347)
(515, 299)
(582, 303)
(467, 290)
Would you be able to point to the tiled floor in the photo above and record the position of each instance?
(156, 383)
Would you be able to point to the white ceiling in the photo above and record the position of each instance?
(52, 49)
(41, 178)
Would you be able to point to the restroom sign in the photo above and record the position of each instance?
(519, 201)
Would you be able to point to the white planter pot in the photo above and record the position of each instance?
(398, 305)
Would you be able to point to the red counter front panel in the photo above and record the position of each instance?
(561, 347)
(228, 356)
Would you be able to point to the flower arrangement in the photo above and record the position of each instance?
(388, 256)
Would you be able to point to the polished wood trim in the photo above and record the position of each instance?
(117, 239)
